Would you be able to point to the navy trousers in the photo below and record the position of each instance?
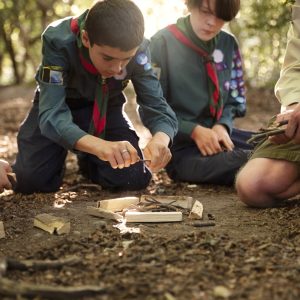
(188, 165)
(40, 163)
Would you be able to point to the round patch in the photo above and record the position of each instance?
(241, 83)
(233, 84)
(241, 100)
(218, 56)
(147, 66)
(238, 63)
(234, 93)
(233, 74)
(239, 73)
(242, 91)
(141, 59)
(226, 85)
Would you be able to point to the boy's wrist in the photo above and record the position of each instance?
(162, 137)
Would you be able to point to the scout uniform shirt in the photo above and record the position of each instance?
(185, 82)
(62, 76)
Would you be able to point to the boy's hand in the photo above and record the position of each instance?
(120, 154)
(223, 136)
(4, 169)
(292, 132)
(207, 140)
(157, 151)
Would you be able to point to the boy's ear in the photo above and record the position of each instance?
(85, 39)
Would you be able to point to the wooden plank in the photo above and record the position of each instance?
(2, 231)
(185, 202)
(52, 224)
(117, 204)
(149, 217)
(103, 213)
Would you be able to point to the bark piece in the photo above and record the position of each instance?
(103, 213)
(2, 231)
(197, 211)
(52, 224)
(149, 217)
(204, 223)
(117, 204)
(185, 202)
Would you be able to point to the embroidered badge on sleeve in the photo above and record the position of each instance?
(52, 74)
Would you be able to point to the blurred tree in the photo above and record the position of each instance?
(21, 25)
(261, 30)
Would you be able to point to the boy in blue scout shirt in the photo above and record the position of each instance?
(87, 62)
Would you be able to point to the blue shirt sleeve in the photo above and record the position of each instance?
(55, 118)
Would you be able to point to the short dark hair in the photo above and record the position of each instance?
(115, 23)
(225, 9)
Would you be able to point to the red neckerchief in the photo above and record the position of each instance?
(216, 105)
(98, 123)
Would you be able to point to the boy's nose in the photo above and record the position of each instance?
(117, 68)
(212, 20)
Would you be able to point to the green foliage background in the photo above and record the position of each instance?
(260, 28)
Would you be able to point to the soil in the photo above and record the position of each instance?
(248, 254)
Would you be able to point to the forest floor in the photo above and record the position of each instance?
(248, 254)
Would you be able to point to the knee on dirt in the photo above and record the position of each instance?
(252, 190)
(30, 182)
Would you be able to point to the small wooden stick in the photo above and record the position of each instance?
(16, 289)
(14, 264)
(266, 134)
(79, 186)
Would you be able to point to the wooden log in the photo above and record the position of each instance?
(2, 231)
(117, 204)
(150, 217)
(22, 289)
(52, 224)
(103, 213)
(185, 202)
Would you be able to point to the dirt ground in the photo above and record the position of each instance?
(248, 254)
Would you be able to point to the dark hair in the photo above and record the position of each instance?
(224, 9)
(115, 23)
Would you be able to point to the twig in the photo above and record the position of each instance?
(80, 186)
(258, 136)
(270, 131)
(14, 264)
(17, 289)
(204, 223)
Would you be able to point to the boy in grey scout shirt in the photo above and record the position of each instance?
(87, 62)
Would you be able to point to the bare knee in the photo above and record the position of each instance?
(254, 187)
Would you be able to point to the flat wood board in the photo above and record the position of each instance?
(52, 224)
(103, 213)
(2, 231)
(117, 204)
(185, 202)
(153, 217)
